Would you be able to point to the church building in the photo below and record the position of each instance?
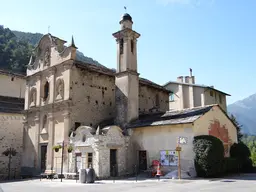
(64, 93)
(112, 120)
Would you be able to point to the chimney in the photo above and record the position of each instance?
(187, 79)
(180, 79)
(192, 80)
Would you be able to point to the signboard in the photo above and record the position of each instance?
(182, 140)
(169, 157)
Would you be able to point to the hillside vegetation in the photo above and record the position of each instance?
(14, 52)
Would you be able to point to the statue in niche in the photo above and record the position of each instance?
(60, 90)
(33, 98)
(47, 57)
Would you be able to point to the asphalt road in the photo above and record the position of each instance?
(235, 184)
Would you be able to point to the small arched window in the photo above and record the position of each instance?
(132, 46)
(46, 90)
(121, 46)
(83, 138)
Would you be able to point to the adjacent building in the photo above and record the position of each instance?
(187, 94)
(11, 121)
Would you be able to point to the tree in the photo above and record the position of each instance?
(238, 128)
(209, 155)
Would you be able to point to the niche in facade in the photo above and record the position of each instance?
(46, 91)
(59, 89)
(44, 125)
(47, 57)
(33, 97)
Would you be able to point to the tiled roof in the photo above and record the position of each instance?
(170, 117)
(11, 73)
(11, 104)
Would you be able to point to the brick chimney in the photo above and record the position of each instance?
(180, 79)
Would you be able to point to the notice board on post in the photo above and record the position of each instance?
(169, 157)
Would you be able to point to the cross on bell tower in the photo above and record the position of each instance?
(127, 77)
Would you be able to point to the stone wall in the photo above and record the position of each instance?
(11, 132)
(150, 97)
(93, 96)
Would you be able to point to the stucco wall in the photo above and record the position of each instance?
(11, 132)
(13, 86)
(153, 139)
(216, 123)
(215, 99)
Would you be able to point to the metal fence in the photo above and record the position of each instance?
(71, 165)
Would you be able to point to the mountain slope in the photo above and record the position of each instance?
(245, 113)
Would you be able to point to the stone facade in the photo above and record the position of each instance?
(64, 93)
(11, 121)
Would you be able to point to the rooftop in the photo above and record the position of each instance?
(10, 73)
(170, 117)
(196, 85)
(11, 104)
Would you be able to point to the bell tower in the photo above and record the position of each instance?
(127, 77)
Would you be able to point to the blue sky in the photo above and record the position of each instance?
(216, 38)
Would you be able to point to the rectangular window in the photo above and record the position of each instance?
(211, 93)
(89, 159)
(171, 97)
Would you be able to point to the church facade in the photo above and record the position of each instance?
(86, 106)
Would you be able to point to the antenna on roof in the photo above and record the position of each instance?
(49, 29)
(125, 9)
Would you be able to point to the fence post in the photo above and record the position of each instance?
(136, 174)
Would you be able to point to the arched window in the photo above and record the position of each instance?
(46, 90)
(132, 46)
(121, 46)
(84, 138)
(45, 121)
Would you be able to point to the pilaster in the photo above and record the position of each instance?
(67, 126)
(38, 88)
(52, 72)
(66, 78)
(50, 151)
(36, 141)
(27, 95)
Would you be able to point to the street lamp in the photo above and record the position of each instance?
(62, 157)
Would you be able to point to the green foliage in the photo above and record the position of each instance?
(14, 53)
(242, 153)
(32, 38)
(209, 156)
(238, 128)
(250, 141)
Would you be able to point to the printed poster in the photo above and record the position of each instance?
(169, 158)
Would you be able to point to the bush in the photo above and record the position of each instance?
(209, 156)
(242, 153)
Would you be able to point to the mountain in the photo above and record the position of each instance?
(17, 48)
(245, 113)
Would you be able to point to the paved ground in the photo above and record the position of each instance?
(239, 183)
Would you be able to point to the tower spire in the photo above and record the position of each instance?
(73, 43)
